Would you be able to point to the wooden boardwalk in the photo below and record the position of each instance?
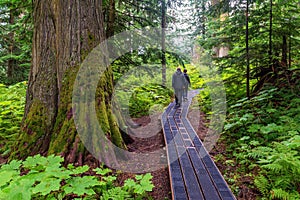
(193, 174)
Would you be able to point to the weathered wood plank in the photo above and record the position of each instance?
(193, 174)
(177, 182)
(192, 186)
(207, 185)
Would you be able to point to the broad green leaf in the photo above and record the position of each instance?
(130, 183)
(146, 184)
(20, 189)
(109, 179)
(80, 170)
(81, 185)
(13, 165)
(102, 172)
(34, 161)
(46, 186)
(7, 176)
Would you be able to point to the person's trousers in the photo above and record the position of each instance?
(178, 96)
(185, 92)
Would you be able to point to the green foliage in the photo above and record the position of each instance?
(225, 26)
(266, 133)
(141, 185)
(144, 98)
(12, 102)
(15, 40)
(45, 178)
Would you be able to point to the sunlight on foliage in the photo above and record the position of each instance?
(266, 133)
(41, 177)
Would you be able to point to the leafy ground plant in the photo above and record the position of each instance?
(266, 133)
(41, 177)
(151, 97)
(12, 102)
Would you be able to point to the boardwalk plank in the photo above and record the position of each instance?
(179, 191)
(193, 174)
(192, 186)
(207, 185)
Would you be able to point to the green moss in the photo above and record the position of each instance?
(115, 132)
(91, 39)
(33, 130)
(40, 133)
(102, 116)
(62, 140)
(64, 131)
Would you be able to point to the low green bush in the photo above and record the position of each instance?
(41, 177)
(149, 98)
(265, 131)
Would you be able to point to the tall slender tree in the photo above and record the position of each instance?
(270, 34)
(247, 51)
(163, 41)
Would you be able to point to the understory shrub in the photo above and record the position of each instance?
(41, 177)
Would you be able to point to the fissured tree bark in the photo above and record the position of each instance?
(65, 31)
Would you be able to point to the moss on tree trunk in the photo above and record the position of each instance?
(65, 31)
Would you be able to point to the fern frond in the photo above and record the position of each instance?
(262, 184)
(278, 193)
(260, 152)
(273, 167)
(284, 182)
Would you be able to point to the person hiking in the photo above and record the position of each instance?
(187, 85)
(178, 83)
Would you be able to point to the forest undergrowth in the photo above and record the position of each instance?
(262, 142)
(260, 138)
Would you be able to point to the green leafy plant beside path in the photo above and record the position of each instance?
(151, 97)
(45, 178)
(267, 142)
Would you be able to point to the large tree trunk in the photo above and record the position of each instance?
(111, 18)
(65, 31)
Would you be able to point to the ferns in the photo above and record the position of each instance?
(260, 152)
(262, 184)
(281, 165)
(12, 101)
(266, 134)
(281, 194)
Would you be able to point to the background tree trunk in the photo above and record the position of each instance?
(270, 35)
(284, 57)
(65, 31)
(111, 18)
(163, 42)
(11, 63)
(247, 51)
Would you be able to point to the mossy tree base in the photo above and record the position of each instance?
(62, 39)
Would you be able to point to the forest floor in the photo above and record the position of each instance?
(162, 190)
(161, 181)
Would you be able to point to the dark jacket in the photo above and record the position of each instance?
(188, 81)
